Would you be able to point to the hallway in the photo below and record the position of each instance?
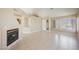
(47, 41)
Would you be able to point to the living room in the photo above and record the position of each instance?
(39, 28)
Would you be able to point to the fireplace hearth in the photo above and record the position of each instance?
(12, 36)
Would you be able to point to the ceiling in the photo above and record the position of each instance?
(53, 12)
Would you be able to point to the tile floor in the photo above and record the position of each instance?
(48, 41)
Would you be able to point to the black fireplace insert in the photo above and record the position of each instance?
(12, 36)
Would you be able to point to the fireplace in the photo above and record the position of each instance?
(12, 36)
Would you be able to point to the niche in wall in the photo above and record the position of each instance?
(18, 16)
(19, 20)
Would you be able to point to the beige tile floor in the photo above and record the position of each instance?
(47, 41)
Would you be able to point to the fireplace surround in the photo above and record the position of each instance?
(10, 30)
(12, 36)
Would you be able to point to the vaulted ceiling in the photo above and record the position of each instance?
(53, 12)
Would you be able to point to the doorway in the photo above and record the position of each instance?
(47, 24)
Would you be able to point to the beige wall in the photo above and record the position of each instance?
(62, 19)
(78, 22)
(36, 24)
(44, 24)
(7, 21)
(0, 38)
(29, 23)
(26, 22)
(78, 26)
(7, 18)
